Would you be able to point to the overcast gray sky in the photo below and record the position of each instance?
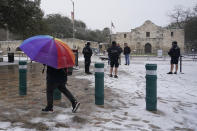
(125, 14)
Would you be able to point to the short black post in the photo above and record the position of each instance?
(75, 51)
(22, 78)
(181, 64)
(151, 87)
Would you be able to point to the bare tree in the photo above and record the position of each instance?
(177, 16)
(195, 10)
(187, 20)
(180, 15)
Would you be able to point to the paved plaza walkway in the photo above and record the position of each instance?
(124, 107)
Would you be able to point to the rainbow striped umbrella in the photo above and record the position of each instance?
(48, 50)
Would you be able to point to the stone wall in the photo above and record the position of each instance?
(72, 43)
(4, 45)
(178, 35)
(79, 44)
(159, 38)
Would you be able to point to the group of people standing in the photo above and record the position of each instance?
(114, 56)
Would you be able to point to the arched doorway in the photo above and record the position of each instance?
(148, 48)
(18, 49)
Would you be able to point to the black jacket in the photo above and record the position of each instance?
(87, 51)
(114, 52)
(56, 75)
(174, 52)
(127, 50)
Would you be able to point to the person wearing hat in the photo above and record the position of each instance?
(174, 53)
(87, 52)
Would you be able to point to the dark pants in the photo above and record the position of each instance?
(114, 62)
(87, 64)
(127, 59)
(174, 61)
(62, 88)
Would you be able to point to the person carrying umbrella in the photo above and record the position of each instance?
(57, 78)
(58, 56)
(87, 52)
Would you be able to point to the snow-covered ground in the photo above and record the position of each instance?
(176, 103)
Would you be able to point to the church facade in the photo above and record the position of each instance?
(149, 38)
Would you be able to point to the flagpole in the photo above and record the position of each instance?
(73, 18)
(110, 39)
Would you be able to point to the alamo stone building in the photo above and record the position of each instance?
(149, 38)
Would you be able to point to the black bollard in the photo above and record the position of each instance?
(22, 78)
(181, 64)
(151, 87)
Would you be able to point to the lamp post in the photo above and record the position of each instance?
(73, 18)
(7, 32)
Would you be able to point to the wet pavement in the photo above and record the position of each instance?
(15, 108)
(123, 110)
(9, 85)
(20, 110)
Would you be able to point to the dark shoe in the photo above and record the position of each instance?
(125, 64)
(115, 76)
(110, 75)
(47, 110)
(175, 72)
(169, 73)
(75, 106)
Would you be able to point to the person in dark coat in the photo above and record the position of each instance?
(57, 78)
(127, 52)
(174, 53)
(114, 53)
(87, 52)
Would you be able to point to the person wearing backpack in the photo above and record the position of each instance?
(87, 52)
(174, 53)
(114, 52)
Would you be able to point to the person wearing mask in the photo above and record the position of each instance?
(174, 53)
(87, 52)
(114, 53)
